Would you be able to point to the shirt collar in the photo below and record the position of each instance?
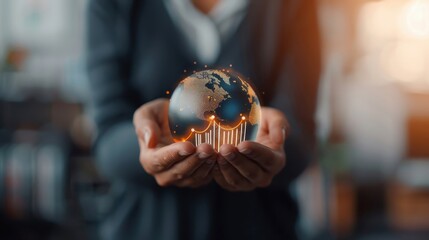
(205, 33)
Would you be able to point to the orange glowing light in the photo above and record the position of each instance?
(217, 135)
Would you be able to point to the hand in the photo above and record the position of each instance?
(180, 164)
(254, 164)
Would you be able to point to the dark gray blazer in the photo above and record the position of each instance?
(136, 53)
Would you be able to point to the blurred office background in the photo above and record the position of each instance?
(370, 179)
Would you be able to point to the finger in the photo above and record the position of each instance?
(278, 131)
(150, 120)
(205, 158)
(203, 170)
(179, 173)
(158, 160)
(231, 174)
(186, 167)
(208, 158)
(156, 109)
(262, 155)
(192, 183)
(220, 179)
(148, 133)
(147, 127)
(278, 126)
(245, 166)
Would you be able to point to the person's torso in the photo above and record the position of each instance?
(159, 58)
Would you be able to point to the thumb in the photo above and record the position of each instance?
(147, 129)
(278, 128)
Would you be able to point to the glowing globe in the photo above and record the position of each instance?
(215, 107)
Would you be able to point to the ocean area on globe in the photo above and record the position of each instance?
(215, 107)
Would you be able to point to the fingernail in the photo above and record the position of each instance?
(146, 136)
(184, 153)
(203, 155)
(245, 151)
(229, 156)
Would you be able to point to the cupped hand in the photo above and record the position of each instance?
(252, 165)
(179, 164)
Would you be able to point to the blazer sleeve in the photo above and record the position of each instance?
(297, 88)
(116, 147)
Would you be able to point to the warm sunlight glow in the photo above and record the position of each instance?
(405, 61)
(416, 15)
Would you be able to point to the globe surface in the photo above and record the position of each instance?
(215, 107)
